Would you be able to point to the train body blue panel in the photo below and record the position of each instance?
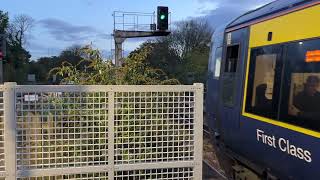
(286, 153)
(212, 82)
(277, 158)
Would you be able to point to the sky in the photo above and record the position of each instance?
(59, 24)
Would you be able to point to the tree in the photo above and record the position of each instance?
(42, 66)
(96, 72)
(182, 55)
(190, 36)
(71, 54)
(17, 59)
(192, 40)
(18, 29)
(139, 70)
(155, 55)
(4, 22)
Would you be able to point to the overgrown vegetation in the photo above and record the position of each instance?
(92, 69)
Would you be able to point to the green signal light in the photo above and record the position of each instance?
(162, 17)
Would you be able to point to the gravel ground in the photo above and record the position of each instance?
(209, 156)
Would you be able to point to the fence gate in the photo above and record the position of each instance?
(100, 132)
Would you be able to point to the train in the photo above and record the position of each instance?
(263, 92)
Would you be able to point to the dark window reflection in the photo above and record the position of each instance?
(301, 97)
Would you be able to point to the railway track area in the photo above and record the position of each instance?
(211, 167)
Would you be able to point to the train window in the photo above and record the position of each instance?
(264, 81)
(300, 104)
(229, 81)
(217, 64)
(232, 58)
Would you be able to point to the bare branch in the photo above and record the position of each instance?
(18, 28)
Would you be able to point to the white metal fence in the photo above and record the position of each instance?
(100, 132)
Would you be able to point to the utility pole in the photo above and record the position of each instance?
(3, 45)
(133, 25)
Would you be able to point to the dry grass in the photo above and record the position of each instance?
(209, 154)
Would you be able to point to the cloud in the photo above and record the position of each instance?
(104, 36)
(90, 2)
(227, 10)
(38, 49)
(64, 31)
(242, 4)
(206, 6)
(140, 39)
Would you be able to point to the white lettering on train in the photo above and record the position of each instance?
(284, 145)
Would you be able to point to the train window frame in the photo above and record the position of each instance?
(296, 75)
(267, 108)
(280, 120)
(228, 59)
(229, 77)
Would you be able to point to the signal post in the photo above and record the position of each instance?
(124, 29)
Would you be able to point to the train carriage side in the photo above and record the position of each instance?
(269, 105)
(214, 69)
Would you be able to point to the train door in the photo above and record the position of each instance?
(214, 69)
(236, 44)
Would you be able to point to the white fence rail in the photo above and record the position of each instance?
(100, 132)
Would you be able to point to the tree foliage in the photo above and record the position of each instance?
(97, 71)
(17, 58)
(71, 72)
(4, 22)
(138, 70)
(189, 37)
(184, 54)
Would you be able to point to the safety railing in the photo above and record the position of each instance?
(2, 137)
(133, 21)
(101, 132)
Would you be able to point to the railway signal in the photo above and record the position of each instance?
(136, 29)
(162, 18)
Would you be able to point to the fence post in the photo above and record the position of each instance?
(10, 130)
(198, 130)
(111, 135)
